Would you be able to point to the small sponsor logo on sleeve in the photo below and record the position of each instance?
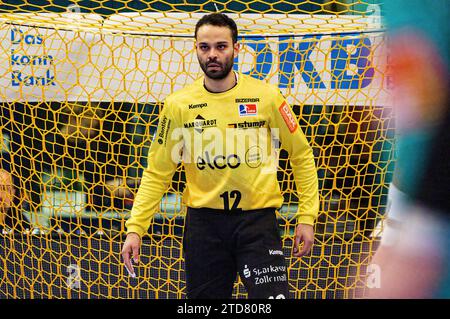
(164, 128)
(288, 117)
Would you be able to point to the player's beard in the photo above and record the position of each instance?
(220, 73)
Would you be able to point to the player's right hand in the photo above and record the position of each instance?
(130, 251)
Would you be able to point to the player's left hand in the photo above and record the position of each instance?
(303, 234)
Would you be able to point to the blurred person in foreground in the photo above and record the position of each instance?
(413, 257)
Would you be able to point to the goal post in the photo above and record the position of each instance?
(81, 90)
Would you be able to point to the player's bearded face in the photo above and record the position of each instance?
(215, 51)
(215, 68)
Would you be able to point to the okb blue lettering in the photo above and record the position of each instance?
(341, 61)
(17, 36)
(18, 78)
(295, 62)
(298, 58)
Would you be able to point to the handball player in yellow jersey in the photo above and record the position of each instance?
(231, 193)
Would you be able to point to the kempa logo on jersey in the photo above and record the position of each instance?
(197, 106)
(275, 252)
(247, 124)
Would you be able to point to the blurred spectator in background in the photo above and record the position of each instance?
(414, 254)
(92, 140)
(88, 142)
(10, 217)
(7, 191)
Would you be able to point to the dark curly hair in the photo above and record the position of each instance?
(218, 20)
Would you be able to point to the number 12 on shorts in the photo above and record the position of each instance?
(234, 195)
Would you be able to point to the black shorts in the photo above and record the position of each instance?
(218, 245)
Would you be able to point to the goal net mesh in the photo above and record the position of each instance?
(81, 88)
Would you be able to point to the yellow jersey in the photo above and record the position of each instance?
(228, 144)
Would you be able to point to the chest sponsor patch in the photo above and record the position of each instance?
(247, 124)
(288, 117)
(248, 109)
(200, 123)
